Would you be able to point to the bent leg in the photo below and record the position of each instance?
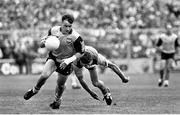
(96, 82)
(49, 68)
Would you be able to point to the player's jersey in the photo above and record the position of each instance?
(167, 43)
(97, 58)
(66, 47)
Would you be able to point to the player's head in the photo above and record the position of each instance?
(67, 21)
(168, 28)
(86, 59)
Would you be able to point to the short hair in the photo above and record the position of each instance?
(86, 58)
(168, 26)
(68, 17)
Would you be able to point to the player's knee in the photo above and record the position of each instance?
(45, 74)
(162, 64)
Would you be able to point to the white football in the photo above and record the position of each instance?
(52, 43)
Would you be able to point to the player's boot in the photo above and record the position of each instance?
(29, 94)
(108, 97)
(126, 80)
(55, 104)
(160, 82)
(166, 83)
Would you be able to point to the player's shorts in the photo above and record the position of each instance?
(66, 71)
(166, 56)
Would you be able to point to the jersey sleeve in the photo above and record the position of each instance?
(79, 45)
(159, 42)
(78, 42)
(177, 42)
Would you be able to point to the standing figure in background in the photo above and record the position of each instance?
(19, 56)
(166, 47)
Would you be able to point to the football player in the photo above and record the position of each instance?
(60, 60)
(166, 46)
(89, 60)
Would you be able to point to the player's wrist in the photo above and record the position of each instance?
(70, 60)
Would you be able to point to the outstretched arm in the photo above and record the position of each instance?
(118, 71)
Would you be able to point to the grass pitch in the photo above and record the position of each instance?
(140, 96)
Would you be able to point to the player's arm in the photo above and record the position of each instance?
(107, 63)
(158, 44)
(118, 71)
(79, 75)
(43, 39)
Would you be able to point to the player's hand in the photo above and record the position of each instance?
(95, 96)
(62, 65)
(43, 41)
(126, 80)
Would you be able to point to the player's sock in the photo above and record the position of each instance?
(35, 89)
(161, 74)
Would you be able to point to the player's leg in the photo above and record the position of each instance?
(49, 68)
(161, 72)
(98, 83)
(118, 71)
(167, 72)
(60, 87)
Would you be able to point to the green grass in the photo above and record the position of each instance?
(140, 96)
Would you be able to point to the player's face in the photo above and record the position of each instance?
(66, 27)
(168, 29)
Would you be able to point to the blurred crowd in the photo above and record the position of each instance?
(108, 14)
(113, 24)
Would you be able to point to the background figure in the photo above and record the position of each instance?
(74, 82)
(166, 46)
(30, 53)
(19, 56)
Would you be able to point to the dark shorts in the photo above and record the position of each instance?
(166, 56)
(67, 71)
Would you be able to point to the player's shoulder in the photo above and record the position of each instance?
(74, 34)
(91, 49)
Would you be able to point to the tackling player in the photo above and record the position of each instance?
(60, 60)
(166, 46)
(89, 60)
